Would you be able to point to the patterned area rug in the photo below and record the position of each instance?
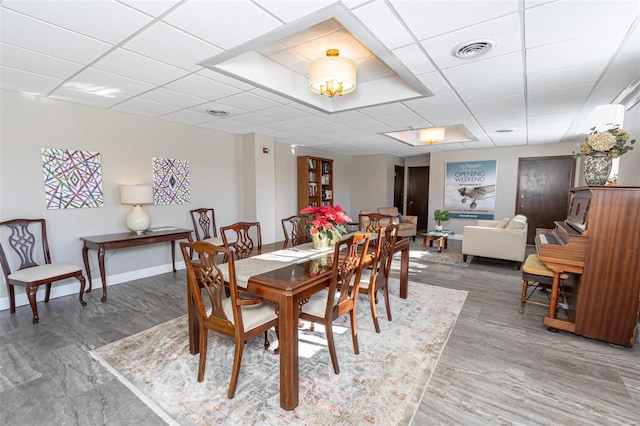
(451, 255)
(381, 385)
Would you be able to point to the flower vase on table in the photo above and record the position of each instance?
(326, 224)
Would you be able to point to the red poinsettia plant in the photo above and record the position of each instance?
(325, 220)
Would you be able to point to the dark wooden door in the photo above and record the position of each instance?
(543, 191)
(398, 188)
(418, 195)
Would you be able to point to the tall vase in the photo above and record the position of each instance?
(320, 241)
(597, 168)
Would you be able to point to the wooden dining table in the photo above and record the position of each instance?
(289, 286)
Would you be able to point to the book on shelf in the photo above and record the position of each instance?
(313, 177)
(312, 163)
(326, 179)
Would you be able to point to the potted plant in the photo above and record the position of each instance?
(440, 216)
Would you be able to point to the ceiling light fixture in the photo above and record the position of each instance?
(218, 112)
(332, 75)
(432, 135)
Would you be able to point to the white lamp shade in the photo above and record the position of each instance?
(136, 194)
(138, 220)
(432, 135)
(333, 69)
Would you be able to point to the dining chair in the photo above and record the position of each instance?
(35, 267)
(372, 222)
(244, 238)
(340, 298)
(293, 228)
(376, 278)
(235, 317)
(204, 225)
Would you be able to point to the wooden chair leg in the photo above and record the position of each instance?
(354, 332)
(235, 371)
(332, 347)
(12, 298)
(266, 340)
(31, 294)
(203, 353)
(47, 293)
(523, 298)
(374, 312)
(386, 302)
(83, 283)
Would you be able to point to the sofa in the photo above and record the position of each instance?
(498, 239)
(407, 225)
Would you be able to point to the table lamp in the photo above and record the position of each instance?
(138, 220)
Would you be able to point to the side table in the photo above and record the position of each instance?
(442, 237)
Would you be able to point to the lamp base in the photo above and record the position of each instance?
(138, 220)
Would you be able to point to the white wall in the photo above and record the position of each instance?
(127, 144)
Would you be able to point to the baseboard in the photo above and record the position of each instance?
(72, 286)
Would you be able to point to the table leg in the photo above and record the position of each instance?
(173, 255)
(85, 257)
(288, 314)
(404, 272)
(194, 328)
(446, 243)
(424, 243)
(103, 274)
(440, 244)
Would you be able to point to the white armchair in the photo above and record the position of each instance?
(499, 239)
(407, 225)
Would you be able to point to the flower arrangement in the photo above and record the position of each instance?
(325, 220)
(612, 141)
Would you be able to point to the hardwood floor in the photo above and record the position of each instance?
(499, 367)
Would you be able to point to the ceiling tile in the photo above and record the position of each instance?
(383, 23)
(558, 100)
(504, 31)
(203, 108)
(26, 81)
(414, 58)
(29, 33)
(573, 53)
(154, 8)
(498, 109)
(571, 22)
(434, 81)
(448, 115)
(88, 98)
(282, 112)
(440, 99)
(219, 25)
(427, 19)
(172, 98)
(172, 46)
(104, 20)
(585, 74)
(288, 10)
(247, 102)
(138, 67)
(496, 89)
(196, 85)
(222, 78)
(97, 81)
(489, 70)
(187, 117)
(140, 106)
(38, 63)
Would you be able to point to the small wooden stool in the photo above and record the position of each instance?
(536, 275)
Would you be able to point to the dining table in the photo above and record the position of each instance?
(286, 273)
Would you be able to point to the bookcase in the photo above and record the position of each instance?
(315, 182)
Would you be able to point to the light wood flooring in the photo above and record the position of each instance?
(498, 368)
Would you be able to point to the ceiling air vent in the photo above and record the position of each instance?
(473, 49)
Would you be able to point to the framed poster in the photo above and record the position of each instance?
(72, 178)
(470, 189)
(170, 181)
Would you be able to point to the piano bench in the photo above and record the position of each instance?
(536, 275)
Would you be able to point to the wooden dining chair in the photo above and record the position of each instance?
(235, 317)
(31, 274)
(376, 278)
(244, 238)
(372, 222)
(293, 228)
(340, 298)
(204, 225)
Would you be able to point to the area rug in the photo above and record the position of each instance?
(451, 255)
(382, 385)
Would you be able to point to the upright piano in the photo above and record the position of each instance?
(599, 242)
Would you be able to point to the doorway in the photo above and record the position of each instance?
(398, 188)
(418, 195)
(543, 191)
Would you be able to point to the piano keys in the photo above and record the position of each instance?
(600, 243)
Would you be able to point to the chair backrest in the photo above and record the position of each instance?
(387, 242)
(248, 238)
(203, 273)
(25, 242)
(372, 222)
(204, 223)
(296, 224)
(348, 257)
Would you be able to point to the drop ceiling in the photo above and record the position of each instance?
(552, 64)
